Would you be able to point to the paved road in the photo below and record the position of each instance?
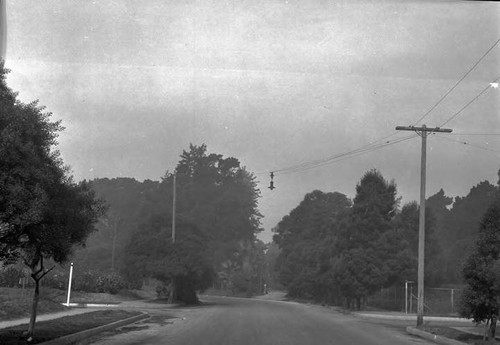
(235, 321)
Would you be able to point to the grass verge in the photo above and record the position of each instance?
(16, 303)
(455, 334)
(52, 329)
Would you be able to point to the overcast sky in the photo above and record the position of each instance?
(272, 83)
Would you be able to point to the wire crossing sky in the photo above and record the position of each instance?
(369, 147)
(458, 82)
(312, 89)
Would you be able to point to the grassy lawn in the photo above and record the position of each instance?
(452, 333)
(16, 303)
(47, 330)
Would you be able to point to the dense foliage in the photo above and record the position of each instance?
(459, 226)
(43, 213)
(366, 258)
(151, 253)
(105, 249)
(481, 272)
(306, 237)
(345, 257)
(216, 208)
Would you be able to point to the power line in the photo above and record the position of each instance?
(343, 156)
(313, 164)
(468, 144)
(322, 160)
(458, 82)
(371, 146)
(470, 102)
(480, 134)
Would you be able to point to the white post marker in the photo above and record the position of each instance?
(406, 297)
(69, 284)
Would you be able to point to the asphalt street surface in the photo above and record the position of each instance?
(235, 321)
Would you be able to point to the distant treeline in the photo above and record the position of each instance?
(338, 251)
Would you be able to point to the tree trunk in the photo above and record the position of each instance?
(492, 328)
(172, 298)
(34, 306)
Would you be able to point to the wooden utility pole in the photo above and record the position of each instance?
(173, 291)
(114, 244)
(173, 208)
(422, 131)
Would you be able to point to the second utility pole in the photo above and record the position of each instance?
(173, 208)
(422, 131)
(173, 292)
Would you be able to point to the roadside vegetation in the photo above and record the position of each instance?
(454, 334)
(329, 249)
(43, 212)
(52, 329)
(217, 221)
(359, 253)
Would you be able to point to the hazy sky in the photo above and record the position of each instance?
(272, 83)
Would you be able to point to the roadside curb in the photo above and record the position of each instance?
(409, 317)
(76, 337)
(92, 305)
(433, 337)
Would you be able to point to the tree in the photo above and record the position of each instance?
(245, 273)
(481, 272)
(271, 255)
(218, 196)
(406, 225)
(461, 227)
(306, 238)
(214, 194)
(67, 219)
(152, 253)
(26, 165)
(105, 249)
(43, 213)
(439, 204)
(363, 243)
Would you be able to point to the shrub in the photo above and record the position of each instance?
(10, 276)
(110, 283)
(163, 289)
(57, 280)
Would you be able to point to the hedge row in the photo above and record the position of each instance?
(85, 281)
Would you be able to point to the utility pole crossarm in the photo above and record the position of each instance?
(423, 129)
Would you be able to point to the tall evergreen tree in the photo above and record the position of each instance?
(306, 238)
(362, 266)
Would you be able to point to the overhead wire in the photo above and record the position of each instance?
(343, 156)
(457, 83)
(318, 161)
(373, 146)
(470, 102)
(479, 134)
(463, 142)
